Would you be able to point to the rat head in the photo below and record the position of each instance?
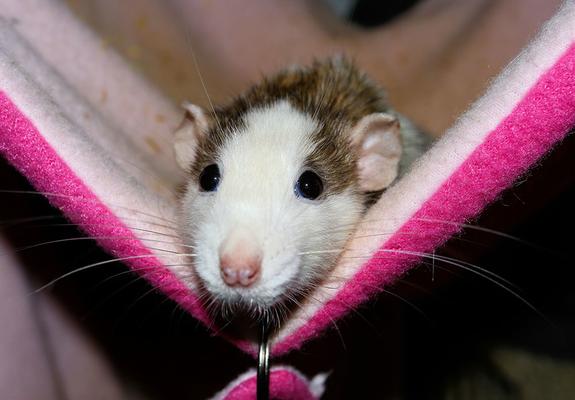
(275, 191)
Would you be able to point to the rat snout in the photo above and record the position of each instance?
(240, 262)
(237, 271)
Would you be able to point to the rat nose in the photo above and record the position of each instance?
(240, 259)
(238, 270)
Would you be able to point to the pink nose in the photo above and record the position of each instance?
(240, 271)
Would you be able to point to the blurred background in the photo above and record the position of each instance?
(443, 332)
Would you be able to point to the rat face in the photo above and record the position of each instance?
(263, 215)
(273, 198)
(279, 178)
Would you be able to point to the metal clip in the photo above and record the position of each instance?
(263, 377)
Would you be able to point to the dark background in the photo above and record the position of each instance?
(387, 346)
(420, 350)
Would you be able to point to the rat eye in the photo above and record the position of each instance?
(210, 178)
(308, 185)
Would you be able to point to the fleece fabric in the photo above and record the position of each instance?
(99, 150)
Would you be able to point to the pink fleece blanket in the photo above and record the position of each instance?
(108, 164)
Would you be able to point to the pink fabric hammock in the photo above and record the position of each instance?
(53, 132)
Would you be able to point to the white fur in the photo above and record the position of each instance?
(259, 167)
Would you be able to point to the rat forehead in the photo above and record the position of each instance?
(284, 137)
(279, 129)
(273, 141)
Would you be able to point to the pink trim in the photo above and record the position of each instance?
(533, 127)
(25, 148)
(541, 119)
(284, 385)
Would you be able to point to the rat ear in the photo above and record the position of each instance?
(378, 141)
(188, 134)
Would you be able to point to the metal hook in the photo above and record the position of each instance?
(263, 377)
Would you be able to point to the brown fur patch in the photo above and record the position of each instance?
(334, 92)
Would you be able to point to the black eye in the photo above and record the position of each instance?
(308, 185)
(210, 178)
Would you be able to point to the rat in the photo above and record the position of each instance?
(278, 179)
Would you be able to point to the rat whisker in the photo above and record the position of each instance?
(482, 273)
(86, 267)
(161, 183)
(129, 270)
(419, 287)
(337, 329)
(147, 222)
(80, 198)
(23, 221)
(139, 298)
(460, 225)
(381, 289)
(202, 81)
(432, 256)
(320, 252)
(115, 292)
(355, 311)
(107, 238)
(216, 331)
(448, 222)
